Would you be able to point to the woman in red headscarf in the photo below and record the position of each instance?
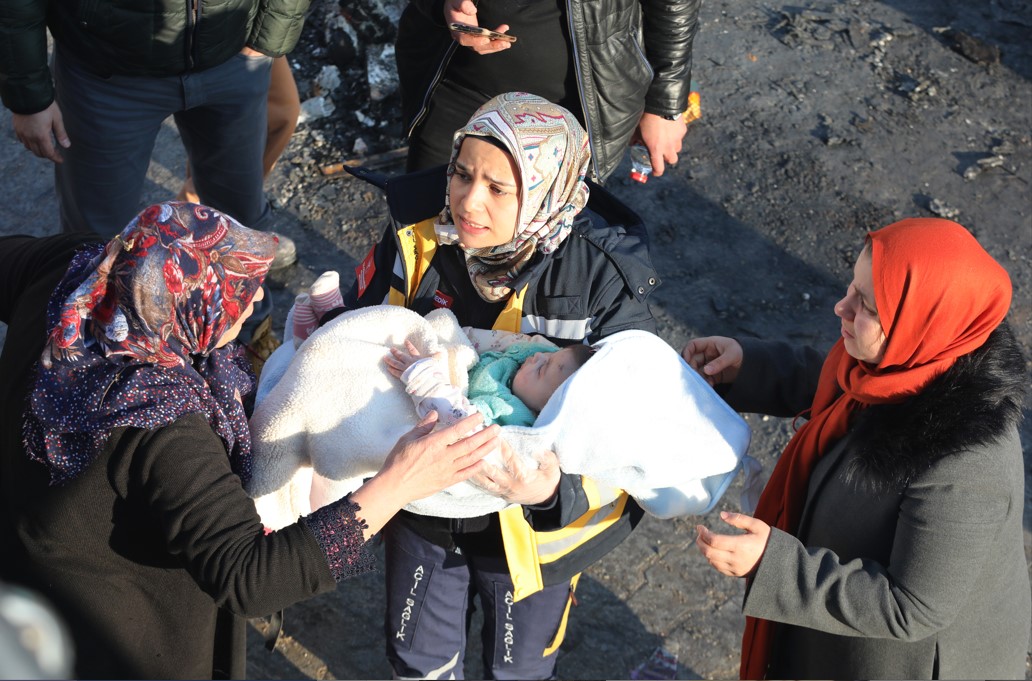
(888, 540)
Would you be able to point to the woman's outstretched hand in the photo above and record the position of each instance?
(422, 463)
(518, 482)
(716, 358)
(735, 555)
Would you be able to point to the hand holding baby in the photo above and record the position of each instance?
(518, 482)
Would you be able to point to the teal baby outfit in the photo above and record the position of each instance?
(490, 384)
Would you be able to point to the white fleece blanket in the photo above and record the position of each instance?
(635, 417)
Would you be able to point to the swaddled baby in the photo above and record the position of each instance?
(633, 417)
(510, 383)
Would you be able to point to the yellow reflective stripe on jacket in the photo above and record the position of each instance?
(521, 553)
(603, 512)
(526, 550)
(519, 540)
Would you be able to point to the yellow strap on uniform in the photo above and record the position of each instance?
(561, 634)
(511, 318)
(526, 550)
(517, 536)
(418, 243)
(520, 553)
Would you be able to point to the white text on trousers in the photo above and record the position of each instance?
(508, 638)
(410, 602)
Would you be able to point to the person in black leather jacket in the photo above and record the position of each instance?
(623, 67)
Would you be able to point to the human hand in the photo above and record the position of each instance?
(716, 358)
(735, 555)
(37, 132)
(251, 52)
(400, 360)
(425, 462)
(662, 138)
(516, 481)
(465, 12)
(422, 463)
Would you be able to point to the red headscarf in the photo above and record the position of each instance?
(939, 295)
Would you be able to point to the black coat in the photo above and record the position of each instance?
(154, 554)
(631, 56)
(909, 561)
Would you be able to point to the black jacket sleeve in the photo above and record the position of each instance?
(669, 28)
(776, 378)
(182, 475)
(25, 83)
(376, 270)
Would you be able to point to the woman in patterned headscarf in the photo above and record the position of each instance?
(122, 495)
(888, 542)
(511, 244)
(546, 152)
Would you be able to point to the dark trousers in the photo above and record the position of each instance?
(113, 122)
(430, 594)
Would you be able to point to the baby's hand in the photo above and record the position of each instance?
(400, 360)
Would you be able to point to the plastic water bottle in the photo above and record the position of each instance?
(641, 166)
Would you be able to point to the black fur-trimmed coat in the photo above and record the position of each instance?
(909, 561)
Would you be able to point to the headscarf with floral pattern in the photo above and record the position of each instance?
(134, 329)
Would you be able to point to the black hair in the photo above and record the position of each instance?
(581, 353)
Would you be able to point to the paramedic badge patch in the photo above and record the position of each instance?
(365, 271)
(443, 300)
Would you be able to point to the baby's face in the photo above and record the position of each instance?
(541, 375)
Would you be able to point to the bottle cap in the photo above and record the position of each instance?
(639, 177)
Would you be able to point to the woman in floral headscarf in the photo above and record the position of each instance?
(505, 236)
(124, 447)
(888, 542)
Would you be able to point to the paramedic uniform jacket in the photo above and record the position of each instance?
(595, 284)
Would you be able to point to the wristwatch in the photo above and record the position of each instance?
(671, 117)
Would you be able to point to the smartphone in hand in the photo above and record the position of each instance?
(477, 30)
